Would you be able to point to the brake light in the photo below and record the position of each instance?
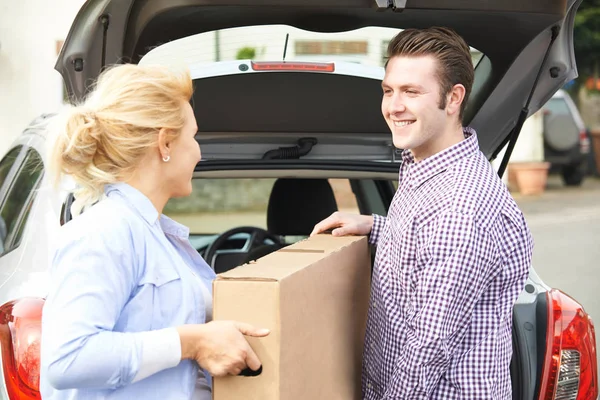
(20, 338)
(293, 66)
(570, 364)
(584, 142)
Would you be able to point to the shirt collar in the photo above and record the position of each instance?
(174, 228)
(136, 199)
(142, 204)
(420, 172)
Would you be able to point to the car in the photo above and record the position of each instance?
(566, 141)
(287, 141)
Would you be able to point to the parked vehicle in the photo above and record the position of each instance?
(566, 141)
(300, 133)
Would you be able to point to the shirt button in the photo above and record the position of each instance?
(374, 304)
(369, 386)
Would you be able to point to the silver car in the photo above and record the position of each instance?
(286, 142)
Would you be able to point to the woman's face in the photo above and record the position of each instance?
(184, 155)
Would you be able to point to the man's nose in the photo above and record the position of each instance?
(396, 105)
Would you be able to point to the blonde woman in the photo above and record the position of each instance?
(127, 313)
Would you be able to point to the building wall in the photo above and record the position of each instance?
(29, 85)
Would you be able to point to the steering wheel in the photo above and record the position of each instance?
(238, 256)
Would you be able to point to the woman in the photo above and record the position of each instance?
(126, 315)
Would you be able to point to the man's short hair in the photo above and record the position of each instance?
(449, 49)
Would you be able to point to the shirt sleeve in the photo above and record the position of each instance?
(461, 263)
(161, 349)
(93, 277)
(378, 223)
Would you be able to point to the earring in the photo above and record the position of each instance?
(166, 159)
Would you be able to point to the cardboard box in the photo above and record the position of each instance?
(313, 296)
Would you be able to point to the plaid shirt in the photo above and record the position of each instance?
(452, 257)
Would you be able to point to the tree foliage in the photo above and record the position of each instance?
(246, 53)
(586, 40)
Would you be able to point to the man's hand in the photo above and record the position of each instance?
(220, 347)
(344, 224)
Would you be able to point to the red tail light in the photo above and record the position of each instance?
(20, 337)
(584, 142)
(570, 365)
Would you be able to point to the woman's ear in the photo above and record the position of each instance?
(164, 144)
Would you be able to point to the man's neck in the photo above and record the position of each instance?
(450, 138)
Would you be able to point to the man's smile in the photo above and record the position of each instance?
(401, 124)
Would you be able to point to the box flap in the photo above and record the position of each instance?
(324, 243)
(279, 265)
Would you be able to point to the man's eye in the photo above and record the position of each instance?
(387, 91)
(411, 91)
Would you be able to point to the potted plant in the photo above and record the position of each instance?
(527, 170)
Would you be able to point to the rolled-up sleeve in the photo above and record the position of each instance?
(92, 279)
(461, 262)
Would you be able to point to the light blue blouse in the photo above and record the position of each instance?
(120, 270)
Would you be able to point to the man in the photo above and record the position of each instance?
(454, 251)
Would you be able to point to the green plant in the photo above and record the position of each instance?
(246, 53)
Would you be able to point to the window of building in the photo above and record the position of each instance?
(318, 47)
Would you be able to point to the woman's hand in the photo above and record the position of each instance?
(220, 346)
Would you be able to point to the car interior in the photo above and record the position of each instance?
(295, 206)
(228, 231)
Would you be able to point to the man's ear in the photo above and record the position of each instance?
(164, 143)
(455, 99)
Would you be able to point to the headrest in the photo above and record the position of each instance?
(297, 205)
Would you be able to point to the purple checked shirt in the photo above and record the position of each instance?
(452, 257)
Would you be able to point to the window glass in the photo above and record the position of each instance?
(217, 205)
(16, 207)
(7, 162)
(344, 197)
(367, 46)
(557, 107)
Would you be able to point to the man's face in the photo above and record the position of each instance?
(411, 104)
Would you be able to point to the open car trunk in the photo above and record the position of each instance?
(513, 35)
(341, 109)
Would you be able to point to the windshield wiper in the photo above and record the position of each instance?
(514, 135)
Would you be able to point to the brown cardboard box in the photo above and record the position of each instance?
(313, 296)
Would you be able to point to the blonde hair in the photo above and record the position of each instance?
(103, 140)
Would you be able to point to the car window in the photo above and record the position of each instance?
(367, 46)
(15, 208)
(217, 205)
(557, 107)
(7, 162)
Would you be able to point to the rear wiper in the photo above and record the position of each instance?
(514, 134)
(304, 147)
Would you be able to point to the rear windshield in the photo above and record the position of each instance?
(366, 46)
